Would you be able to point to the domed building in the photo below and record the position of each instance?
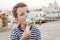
(52, 11)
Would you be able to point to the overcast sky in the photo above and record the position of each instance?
(8, 4)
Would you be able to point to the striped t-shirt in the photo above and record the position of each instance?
(16, 33)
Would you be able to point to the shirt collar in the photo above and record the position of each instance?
(19, 27)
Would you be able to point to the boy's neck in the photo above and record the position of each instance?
(23, 26)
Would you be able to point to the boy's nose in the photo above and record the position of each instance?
(26, 14)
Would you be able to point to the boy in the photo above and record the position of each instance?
(20, 12)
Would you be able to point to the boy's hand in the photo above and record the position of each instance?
(26, 35)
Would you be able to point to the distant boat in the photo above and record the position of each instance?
(52, 18)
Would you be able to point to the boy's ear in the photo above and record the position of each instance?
(16, 19)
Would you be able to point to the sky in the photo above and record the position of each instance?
(8, 4)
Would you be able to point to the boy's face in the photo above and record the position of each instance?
(22, 14)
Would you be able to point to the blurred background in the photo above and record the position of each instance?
(46, 13)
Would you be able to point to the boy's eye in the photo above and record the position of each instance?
(21, 14)
(27, 11)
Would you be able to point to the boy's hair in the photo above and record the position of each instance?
(15, 8)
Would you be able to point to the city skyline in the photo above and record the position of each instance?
(8, 4)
